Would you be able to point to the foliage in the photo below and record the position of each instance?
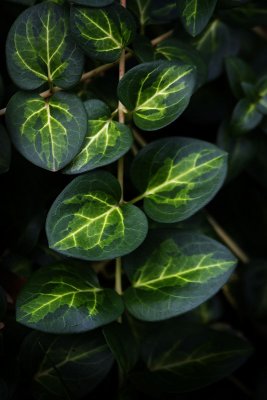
(128, 130)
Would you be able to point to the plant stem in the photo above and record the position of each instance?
(139, 138)
(162, 37)
(118, 284)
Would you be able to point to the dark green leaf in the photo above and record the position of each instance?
(163, 11)
(65, 366)
(39, 49)
(157, 92)
(142, 10)
(103, 32)
(3, 303)
(195, 14)
(86, 220)
(5, 150)
(184, 358)
(178, 176)
(247, 15)
(143, 49)
(245, 117)
(176, 50)
(238, 72)
(174, 272)
(261, 93)
(65, 299)
(92, 3)
(123, 345)
(106, 140)
(50, 132)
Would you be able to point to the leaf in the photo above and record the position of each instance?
(92, 3)
(123, 345)
(66, 366)
(174, 272)
(246, 15)
(260, 94)
(5, 150)
(245, 117)
(86, 220)
(143, 49)
(176, 50)
(40, 49)
(142, 10)
(178, 176)
(3, 303)
(48, 132)
(106, 140)
(183, 358)
(103, 32)
(65, 299)
(157, 92)
(238, 72)
(164, 11)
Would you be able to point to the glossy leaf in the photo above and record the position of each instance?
(66, 299)
(176, 50)
(173, 272)
(86, 220)
(106, 140)
(178, 176)
(182, 358)
(65, 366)
(195, 14)
(157, 92)
(238, 72)
(92, 3)
(103, 32)
(5, 150)
(50, 132)
(40, 49)
(245, 117)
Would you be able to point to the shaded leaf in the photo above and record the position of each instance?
(143, 49)
(174, 272)
(86, 220)
(48, 132)
(157, 92)
(92, 3)
(103, 32)
(40, 49)
(195, 14)
(238, 72)
(245, 117)
(5, 150)
(3, 303)
(142, 10)
(65, 299)
(178, 176)
(106, 140)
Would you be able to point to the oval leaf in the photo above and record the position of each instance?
(5, 150)
(40, 49)
(178, 176)
(157, 92)
(195, 14)
(50, 132)
(65, 299)
(86, 220)
(172, 273)
(245, 117)
(72, 364)
(106, 140)
(103, 32)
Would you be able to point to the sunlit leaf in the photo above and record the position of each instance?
(178, 176)
(87, 221)
(157, 92)
(66, 299)
(40, 49)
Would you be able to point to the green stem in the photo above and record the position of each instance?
(136, 199)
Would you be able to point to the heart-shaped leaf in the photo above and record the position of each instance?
(157, 92)
(173, 272)
(103, 32)
(40, 49)
(5, 150)
(178, 176)
(87, 220)
(48, 132)
(66, 299)
(106, 140)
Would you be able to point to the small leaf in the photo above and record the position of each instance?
(65, 299)
(238, 72)
(157, 92)
(86, 220)
(178, 176)
(195, 14)
(106, 140)
(261, 94)
(66, 366)
(103, 32)
(40, 49)
(176, 50)
(92, 3)
(245, 117)
(182, 358)
(173, 272)
(5, 150)
(48, 132)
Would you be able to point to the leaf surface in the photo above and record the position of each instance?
(5, 150)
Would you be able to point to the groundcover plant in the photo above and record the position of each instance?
(133, 199)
